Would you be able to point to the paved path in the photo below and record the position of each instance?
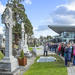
(70, 69)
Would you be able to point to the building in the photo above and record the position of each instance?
(66, 33)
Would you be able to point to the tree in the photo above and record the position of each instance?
(20, 16)
(49, 37)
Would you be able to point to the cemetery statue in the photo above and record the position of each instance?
(24, 45)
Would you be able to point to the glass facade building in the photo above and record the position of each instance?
(66, 33)
(67, 36)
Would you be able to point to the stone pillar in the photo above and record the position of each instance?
(9, 63)
(8, 42)
(22, 39)
(23, 32)
(25, 39)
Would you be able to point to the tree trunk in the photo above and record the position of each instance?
(16, 39)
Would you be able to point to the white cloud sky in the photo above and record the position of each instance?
(63, 15)
(1, 30)
(44, 33)
(28, 2)
(2, 8)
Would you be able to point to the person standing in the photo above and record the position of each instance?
(46, 49)
(69, 53)
(59, 49)
(62, 50)
(74, 55)
(66, 54)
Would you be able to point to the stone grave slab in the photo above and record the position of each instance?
(46, 59)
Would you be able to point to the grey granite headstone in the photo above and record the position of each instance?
(46, 59)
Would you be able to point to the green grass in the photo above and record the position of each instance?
(50, 68)
(38, 48)
(30, 48)
(1, 55)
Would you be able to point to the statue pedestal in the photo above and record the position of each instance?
(16, 72)
(26, 51)
(34, 50)
(9, 64)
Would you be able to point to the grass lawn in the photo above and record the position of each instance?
(38, 48)
(50, 68)
(30, 48)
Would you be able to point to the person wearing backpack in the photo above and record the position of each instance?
(74, 55)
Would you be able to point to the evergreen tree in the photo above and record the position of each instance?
(20, 16)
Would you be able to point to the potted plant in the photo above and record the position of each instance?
(22, 59)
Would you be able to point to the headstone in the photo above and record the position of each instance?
(46, 59)
(9, 63)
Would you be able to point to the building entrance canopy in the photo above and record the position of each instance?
(60, 29)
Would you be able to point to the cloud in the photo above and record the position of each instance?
(42, 27)
(71, 5)
(62, 10)
(2, 8)
(63, 15)
(1, 30)
(45, 33)
(28, 2)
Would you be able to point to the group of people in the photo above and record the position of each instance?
(65, 50)
(50, 47)
(68, 52)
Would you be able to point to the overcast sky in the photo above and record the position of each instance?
(46, 12)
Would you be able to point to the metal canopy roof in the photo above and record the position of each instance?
(60, 29)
